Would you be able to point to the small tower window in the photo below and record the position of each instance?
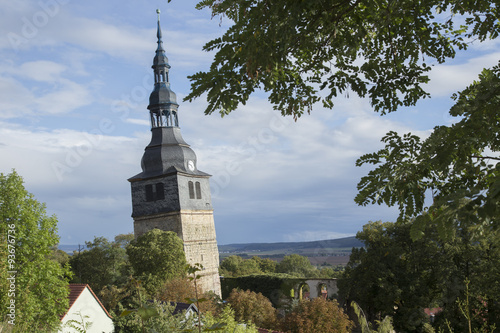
(155, 192)
(149, 193)
(160, 194)
(198, 190)
(191, 190)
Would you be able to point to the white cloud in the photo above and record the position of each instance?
(117, 41)
(449, 78)
(67, 97)
(36, 151)
(36, 88)
(142, 122)
(65, 28)
(41, 70)
(15, 99)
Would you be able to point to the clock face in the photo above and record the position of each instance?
(191, 165)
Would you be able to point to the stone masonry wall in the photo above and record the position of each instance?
(196, 229)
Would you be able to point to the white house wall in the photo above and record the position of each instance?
(87, 305)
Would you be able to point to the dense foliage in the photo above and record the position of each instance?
(237, 266)
(156, 257)
(253, 307)
(456, 164)
(103, 263)
(30, 281)
(317, 316)
(145, 313)
(304, 52)
(277, 287)
(297, 265)
(396, 276)
(293, 265)
(229, 324)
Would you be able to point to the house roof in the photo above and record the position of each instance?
(179, 307)
(75, 290)
(433, 311)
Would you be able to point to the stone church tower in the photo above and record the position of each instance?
(170, 193)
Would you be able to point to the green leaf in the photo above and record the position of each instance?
(127, 312)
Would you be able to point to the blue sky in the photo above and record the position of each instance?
(75, 79)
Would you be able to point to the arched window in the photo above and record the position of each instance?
(191, 190)
(322, 290)
(198, 190)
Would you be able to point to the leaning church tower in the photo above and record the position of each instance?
(170, 193)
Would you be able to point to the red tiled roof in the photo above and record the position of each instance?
(432, 311)
(75, 290)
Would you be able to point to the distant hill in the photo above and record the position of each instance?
(329, 247)
(318, 247)
(70, 248)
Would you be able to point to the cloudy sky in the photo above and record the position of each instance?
(75, 79)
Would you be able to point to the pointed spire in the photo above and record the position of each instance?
(162, 101)
(160, 58)
(158, 34)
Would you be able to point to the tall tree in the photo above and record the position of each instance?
(396, 276)
(31, 284)
(156, 257)
(124, 239)
(103, 263)
(266, 265)
(457, 166)
(392, 275)
(236, 266)
(304, 52)
(297, 265)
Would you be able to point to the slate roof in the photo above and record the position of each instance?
(179, 307)
(75, 290)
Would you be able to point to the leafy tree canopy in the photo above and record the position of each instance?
(253, 307)
(457, 165)
(135, 312)
(104, 263)
(176, 290)
(37, 284)
(317, 316)
(124, 239)
(398, 277)
(297, 265)
(395, 276)
(227, 320)
(266, 265)
(304, 52)
(156, 257)
(237, 266)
